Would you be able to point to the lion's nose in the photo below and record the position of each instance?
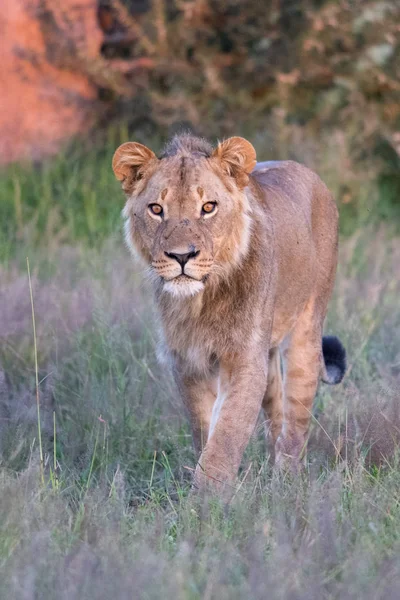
(182, 259)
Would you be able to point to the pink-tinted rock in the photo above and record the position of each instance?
(45, 97)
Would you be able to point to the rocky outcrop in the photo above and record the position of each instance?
(45, 96)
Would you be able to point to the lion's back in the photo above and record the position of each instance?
(305, 223)
(298, 200)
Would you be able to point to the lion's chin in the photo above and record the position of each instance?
(183, 287)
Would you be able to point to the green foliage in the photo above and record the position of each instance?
(72, 197)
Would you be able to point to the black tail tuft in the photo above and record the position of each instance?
(334, 358)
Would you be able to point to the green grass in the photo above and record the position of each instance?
(114, 517)
(74, 197)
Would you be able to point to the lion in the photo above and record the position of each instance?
(242, 257)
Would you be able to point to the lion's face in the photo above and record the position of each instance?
(187, 214)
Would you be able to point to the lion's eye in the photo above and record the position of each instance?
(156, 209)
(208, 207)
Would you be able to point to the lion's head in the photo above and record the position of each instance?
(186, 213)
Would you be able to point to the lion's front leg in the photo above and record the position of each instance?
(241, 387)
(198, 394)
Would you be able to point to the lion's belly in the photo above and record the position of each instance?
(283, 324)
(295, 286)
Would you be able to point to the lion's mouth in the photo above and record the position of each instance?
(183, 286)
(183, 278)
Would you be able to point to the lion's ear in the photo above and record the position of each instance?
(237, 157)
(129, 163)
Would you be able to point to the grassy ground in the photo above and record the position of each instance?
(110, 514)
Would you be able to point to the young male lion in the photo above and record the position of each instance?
(243, 258)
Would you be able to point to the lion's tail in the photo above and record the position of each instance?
(334, 355)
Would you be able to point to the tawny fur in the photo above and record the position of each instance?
(256, 288)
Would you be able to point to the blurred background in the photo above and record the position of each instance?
(93, 502)
(317, 81)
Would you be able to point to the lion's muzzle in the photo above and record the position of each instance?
(182, 256)
(182, 259)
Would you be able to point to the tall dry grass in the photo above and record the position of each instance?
(119, 522)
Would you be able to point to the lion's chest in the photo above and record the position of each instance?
(194, 337)
(192, 344)
(204, 332)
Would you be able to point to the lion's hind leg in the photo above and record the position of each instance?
(273, 399)
(302, 355)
